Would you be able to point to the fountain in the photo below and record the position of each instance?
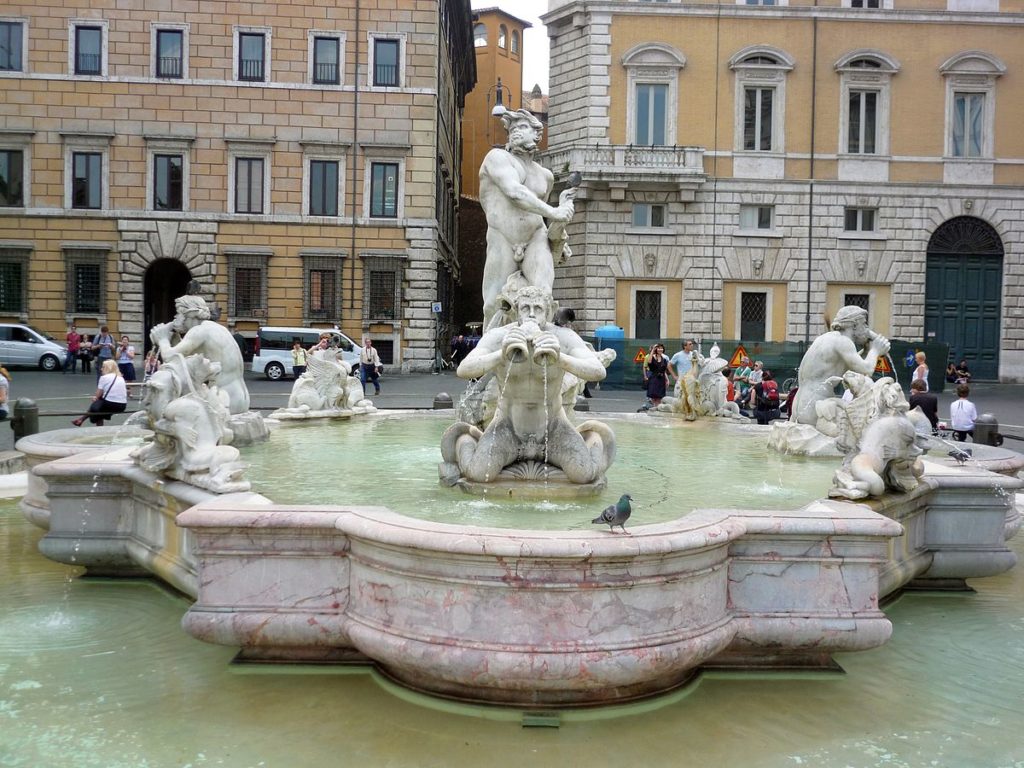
(519, 616)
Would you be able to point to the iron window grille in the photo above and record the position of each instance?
(753, 315)
(323, 276)
(169, 53)
(251, 56)
(14, 281)
(326, 60)
(88, 50)
(862, 300)
(167, 182)
(382, 290)
(11, 45)
(87, 180)
(12, 190)
(385, 63)
(248, 185)
(86, 289)
(323, 187)
(247, 289)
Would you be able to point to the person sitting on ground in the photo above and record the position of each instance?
(730, 392)
(963, 373)
(962, 414)
(111, 395)
(921, 398)
(765, 397)
(951, 373)
(754, 378)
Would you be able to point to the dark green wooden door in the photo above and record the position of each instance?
(963, 287)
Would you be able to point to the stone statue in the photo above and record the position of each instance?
(702, 390)
(888, 458)
(326, 389)
(573, 386)
(513, 191)
(833, 354)
(530, 435)
(189, 415)
(200, 335)
(845, 422)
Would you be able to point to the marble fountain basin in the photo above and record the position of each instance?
(522, 616)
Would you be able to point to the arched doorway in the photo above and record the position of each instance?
(963, 289)
(165, 281)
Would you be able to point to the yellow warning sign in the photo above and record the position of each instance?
(737, 357)
(882, 366)
(641, 355)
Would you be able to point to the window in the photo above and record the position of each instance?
(384, 190)
(247, 285)
(323, 187)
(863, 122)
(86, 271)
(515, 42)
(753, 315)
(168, 180)
(759, 2)
(502, 36)
(326, 60)
(11, 46)
(968, 124)
(88, 50)
(648, 215)
(170, 53)
(479, 36)
(385, 62)
(760, 217)
(864, 4)
(862, 300)
(323, 276)
(859, 219)
(648, 322)
(650, 114)
(251, 56)
(652, 95)
(249, 185)
(382, 288)
(12, 190)
(14, 280)
(757, 119)
(87, 180)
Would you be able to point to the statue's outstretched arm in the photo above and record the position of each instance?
(480, 361)
(500, 169)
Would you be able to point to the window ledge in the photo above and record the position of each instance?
(968, 160)
(854, 156)
(660, 231)
(763, 234)
(862, 236)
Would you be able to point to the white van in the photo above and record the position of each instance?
(25, 345)
(273, 350)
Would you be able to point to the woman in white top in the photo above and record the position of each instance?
(921, 371)
(111, 396)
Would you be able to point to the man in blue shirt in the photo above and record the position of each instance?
(681, 362)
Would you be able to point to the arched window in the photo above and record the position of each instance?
(759, 121)
(502, 36)
(479, 36)
(515, 42)
(864, 83)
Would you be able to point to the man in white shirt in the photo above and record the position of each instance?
(962, 414)
(369, 366)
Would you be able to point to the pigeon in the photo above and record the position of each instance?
(960, 455)
(616, 514)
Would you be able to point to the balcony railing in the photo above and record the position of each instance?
(325, 74)
(168, 66)
(385, 75)
(250, 69)
(622, 158)
(87, 64)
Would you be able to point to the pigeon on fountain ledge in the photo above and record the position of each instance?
(960, 455)
(616, 514)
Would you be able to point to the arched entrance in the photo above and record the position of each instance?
(165, 280)
(963, 289)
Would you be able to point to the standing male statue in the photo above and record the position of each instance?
(513, 191)
(833, 354)
(200, 335)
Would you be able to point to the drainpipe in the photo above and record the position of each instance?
(352, 172)
(810, 188)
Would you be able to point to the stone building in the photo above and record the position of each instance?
(299, 160)
(749, 168)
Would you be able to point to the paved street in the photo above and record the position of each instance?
(61, 397)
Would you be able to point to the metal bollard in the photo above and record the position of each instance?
(25, 420)
(986, 430)
(443, 401)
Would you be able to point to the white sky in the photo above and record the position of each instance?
(535, 39)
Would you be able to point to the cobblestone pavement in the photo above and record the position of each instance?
(60, 397)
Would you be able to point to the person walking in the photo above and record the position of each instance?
(656, 373)
(962, 414)
(103, 348)
(298, 359)
(369, 366)
(74, 341)
(921, 371)
(926, 401)
(126, 359)
(111, 395)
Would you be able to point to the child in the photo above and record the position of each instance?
(962, 414)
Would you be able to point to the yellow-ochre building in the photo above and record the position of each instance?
(300, 160)
(749, 168)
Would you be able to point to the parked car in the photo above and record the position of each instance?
(25, 345)
(273, 349)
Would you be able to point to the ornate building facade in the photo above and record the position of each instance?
(299, 160)
(750, 168)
